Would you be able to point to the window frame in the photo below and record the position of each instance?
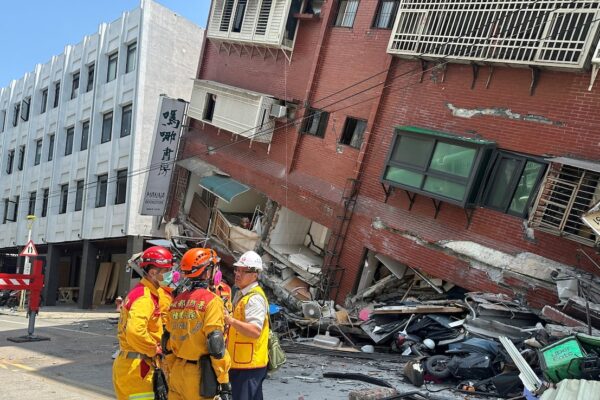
(483, 150)
(495, 168)
(321, 126)
(44, 100)
(90, 77)
(79, 195)
(25, 108)
(85, 135)
(131, 57)
(126, 108)
(113, 59)
(16, 113)
(344, 135)
(108, 131)
(10, 159)
(45, 197)
(37, 158)
(64, 198)
(101, 186)
(56, 94)
(32, 201)
(121, 182)
(69, 139)
(338, 21)
(21, 159)
(393, 15)
(51, 139)
(2, 120)
(75, 84)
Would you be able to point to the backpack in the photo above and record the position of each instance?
(277, 356)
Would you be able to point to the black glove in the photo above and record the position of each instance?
(224, 391)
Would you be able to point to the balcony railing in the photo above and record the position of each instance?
(547, 33)
(263, 23)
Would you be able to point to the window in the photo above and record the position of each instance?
(25, 109)
(315, 122)
(226, 18)
(79, 196)
(436, 164)
(5, 214)
(38, 152)
(21, 159)
(50, 147)
(56, 94)
(17, 110)
(2, 120)
(513, 181)
(9, 161)
(90, 78)
(121, 187)
(101, 190)
(31, 209)
(209, 108)
(126, 120)
(75, 85)
(346, 13)
(15, 210)
(69, 140)
(85, 133)
(353, 132)
(64, 196)
(11, 210)
(568, 191)
(131, 55)
(240, 10)
(386, 14)
(44, 100)
(263, 17)
(111, 72)
(45, 202)
(107, 120)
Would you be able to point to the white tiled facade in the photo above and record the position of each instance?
(164, 50)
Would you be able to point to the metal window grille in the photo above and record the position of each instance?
(226, 15)
(567, 193)
(347, 13)
(545, 33)
(263, 17)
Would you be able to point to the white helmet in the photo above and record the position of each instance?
(250, 259)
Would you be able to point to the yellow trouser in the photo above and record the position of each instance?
(128, 382)
(184, 381)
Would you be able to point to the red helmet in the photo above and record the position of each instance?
(156, 257)
(195, 261)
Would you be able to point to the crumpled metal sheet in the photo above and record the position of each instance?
(573, 389)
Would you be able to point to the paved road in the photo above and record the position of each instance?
(76, 363)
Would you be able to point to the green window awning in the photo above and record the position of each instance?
(223, 187)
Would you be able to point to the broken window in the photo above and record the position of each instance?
(315, 122)
(436, 164)
(353, 132)
(567, 192)
(512, 183)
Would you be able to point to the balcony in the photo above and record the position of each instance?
(595, 66)
(243, 112)
(261, 25)
(551, 33)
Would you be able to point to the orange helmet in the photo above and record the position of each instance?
(157, 257)
(197, 260)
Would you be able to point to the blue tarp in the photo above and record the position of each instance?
(223, 187)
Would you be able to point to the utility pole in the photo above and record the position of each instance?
(27, 265)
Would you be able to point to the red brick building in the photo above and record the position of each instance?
(463, 143)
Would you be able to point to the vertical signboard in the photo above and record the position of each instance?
(162, 161)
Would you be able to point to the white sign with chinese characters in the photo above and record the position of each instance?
(592, 219)
(162, 163)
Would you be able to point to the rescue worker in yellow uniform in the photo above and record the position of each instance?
(248, 335)
(140, 328)
(196, 323)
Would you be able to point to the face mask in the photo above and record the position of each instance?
(167, 278)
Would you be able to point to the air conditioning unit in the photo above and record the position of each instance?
(278, 111)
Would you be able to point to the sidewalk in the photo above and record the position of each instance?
(71, 311)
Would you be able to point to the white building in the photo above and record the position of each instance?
(75, 138)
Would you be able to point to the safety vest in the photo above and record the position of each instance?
(246, 352)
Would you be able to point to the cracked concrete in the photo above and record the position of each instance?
(501, 112)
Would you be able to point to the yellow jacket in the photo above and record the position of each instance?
(165, 298)
(192, 316)
(246, 352)
(140, 325)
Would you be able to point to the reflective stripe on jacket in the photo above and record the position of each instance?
(246, 352)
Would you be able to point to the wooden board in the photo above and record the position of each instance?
(111, 291)
(425, 309)
(102, 280)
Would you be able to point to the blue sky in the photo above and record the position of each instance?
(32, 31)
